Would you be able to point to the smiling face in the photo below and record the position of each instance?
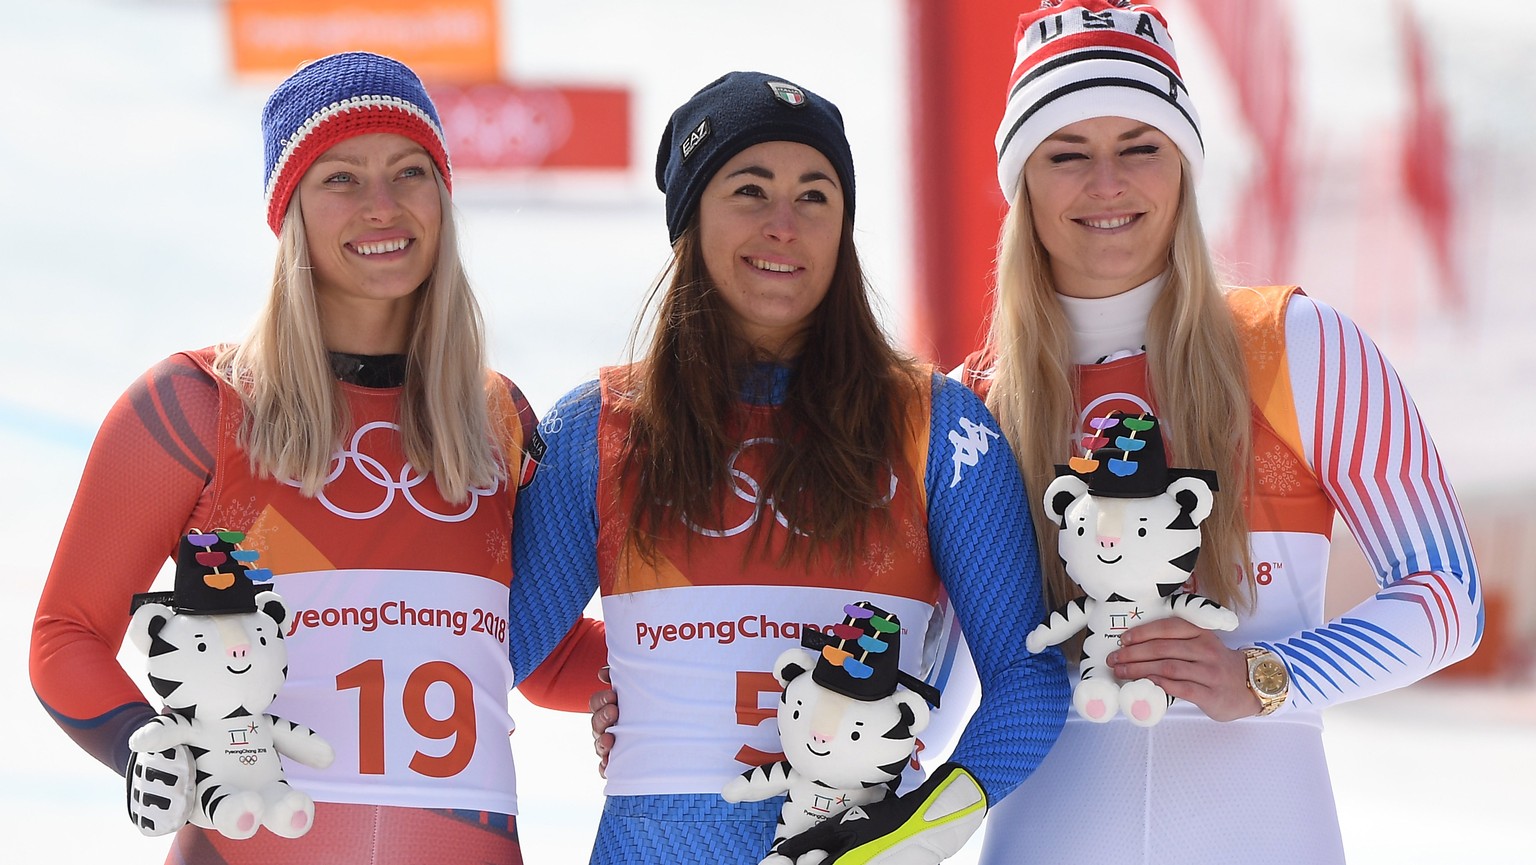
(770, 222)
(1139, 549)
(1104, 197)
(846, 743)
(372, 217)
(217, 663)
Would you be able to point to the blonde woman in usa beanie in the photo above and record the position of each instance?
(1107, 299)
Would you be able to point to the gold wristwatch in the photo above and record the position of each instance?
(1268, 679)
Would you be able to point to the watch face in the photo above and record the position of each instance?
(1269, 677)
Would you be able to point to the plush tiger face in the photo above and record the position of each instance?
(838, 741)
(214, 666)
(1139, 549)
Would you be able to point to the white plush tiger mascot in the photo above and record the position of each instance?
(846, 730)
(1130, 534)
(217, 658)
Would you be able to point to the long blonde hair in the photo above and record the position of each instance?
(1198, 379)
(295, 414)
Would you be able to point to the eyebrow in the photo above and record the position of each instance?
(393, 158)
(1124, 136)
(760, 171)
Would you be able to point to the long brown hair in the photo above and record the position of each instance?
(1197, 372)
(840, 423)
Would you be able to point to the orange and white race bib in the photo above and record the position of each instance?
(406, 674)
(693, 667)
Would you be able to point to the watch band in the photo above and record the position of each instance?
(1270, 698)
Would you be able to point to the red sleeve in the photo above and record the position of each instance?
(567, 678)
(520, 465)
(151, 460)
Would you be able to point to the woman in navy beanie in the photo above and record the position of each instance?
(358, 440)
(768, 459)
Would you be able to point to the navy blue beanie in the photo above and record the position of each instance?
(732, 113)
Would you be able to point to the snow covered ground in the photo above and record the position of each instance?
(134, 229)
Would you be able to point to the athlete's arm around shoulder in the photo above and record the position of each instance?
(554, 531)
(566, 679)
(983, 545)
(1371, 451)
(147, 469)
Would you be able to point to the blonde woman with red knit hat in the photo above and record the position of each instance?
(357, 439)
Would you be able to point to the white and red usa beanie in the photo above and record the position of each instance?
(339, 97)
(1079, 59)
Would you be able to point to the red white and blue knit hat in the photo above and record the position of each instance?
(339, 97)
(1079, 59)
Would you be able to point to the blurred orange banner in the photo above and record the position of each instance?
(498, 125)
(443, 40)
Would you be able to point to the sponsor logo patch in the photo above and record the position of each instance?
(532, 454)
(695, 138)
(787, 93)
(970, 447)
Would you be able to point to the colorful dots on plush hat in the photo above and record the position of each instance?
(1124, 457)
(214, 575)
(730, 114)
(339, 97)
(859, 657)
(1080, 59)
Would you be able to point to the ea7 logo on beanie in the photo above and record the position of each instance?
(787, 93)
(695, 138)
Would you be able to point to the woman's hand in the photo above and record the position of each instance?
(605, 713)
(1188, 662)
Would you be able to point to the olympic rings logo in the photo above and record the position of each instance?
(747, 488)
(248, 759)
(371, 469)
(552, 423)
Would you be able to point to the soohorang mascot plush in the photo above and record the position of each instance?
(847, 732)
(1130, 533)
(217, 659)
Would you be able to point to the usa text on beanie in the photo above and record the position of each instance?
(339, 97)
(734, 112)
(1079, 59)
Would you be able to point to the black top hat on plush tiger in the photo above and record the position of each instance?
(859, 656)
(214, 576)
(730, 114)
(1124, 458)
